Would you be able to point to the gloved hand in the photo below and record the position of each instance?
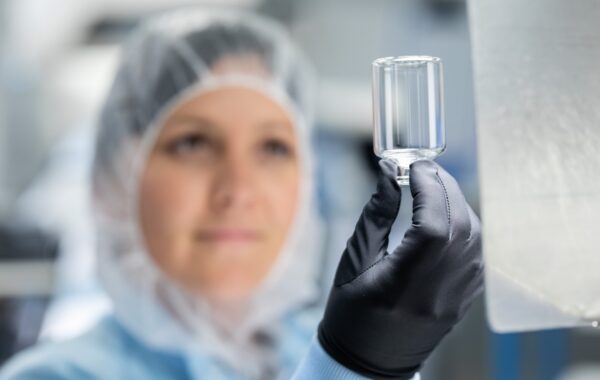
(387, 311)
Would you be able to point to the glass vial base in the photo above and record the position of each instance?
(403, 177)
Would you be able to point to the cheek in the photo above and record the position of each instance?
(282, 195)
(169, 201)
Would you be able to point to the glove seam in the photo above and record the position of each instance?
(439, 179)
(361, 273)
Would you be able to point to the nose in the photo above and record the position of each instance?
(233, 185)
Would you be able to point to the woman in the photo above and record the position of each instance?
(202, 188)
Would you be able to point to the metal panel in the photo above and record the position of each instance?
(537, 84)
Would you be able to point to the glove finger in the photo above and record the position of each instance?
(439, 207)
(440, 213)
(370, 238)
(458, 208)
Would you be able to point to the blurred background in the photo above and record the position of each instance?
(56, 62)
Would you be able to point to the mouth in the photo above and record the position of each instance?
(228, 235)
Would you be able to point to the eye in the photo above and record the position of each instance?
(189, 143)
(277, 148)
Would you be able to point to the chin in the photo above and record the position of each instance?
(230, 287)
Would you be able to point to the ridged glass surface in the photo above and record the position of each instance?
(538, 109)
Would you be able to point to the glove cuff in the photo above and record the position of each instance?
(354, 363)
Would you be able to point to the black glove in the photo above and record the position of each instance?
(387, 312)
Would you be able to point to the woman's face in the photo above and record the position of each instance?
(220, 190)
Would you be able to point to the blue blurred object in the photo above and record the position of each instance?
(553, 353)
(506, 354)
(549, 355)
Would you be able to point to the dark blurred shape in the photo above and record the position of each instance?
(21, 317)
(109, 30)
(24, 243)
(20, 322)
(446, 10)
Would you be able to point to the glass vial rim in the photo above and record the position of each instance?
(405, 59)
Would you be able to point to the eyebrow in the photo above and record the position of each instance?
(206, 124)
(277, 125)
(194, 121)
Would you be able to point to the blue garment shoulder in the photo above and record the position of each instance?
(108, 351)
(104, 352)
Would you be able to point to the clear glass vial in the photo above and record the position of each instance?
(408, 110)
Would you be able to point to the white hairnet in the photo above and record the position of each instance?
(167, 61)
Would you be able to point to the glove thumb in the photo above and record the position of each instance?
(370, 239)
